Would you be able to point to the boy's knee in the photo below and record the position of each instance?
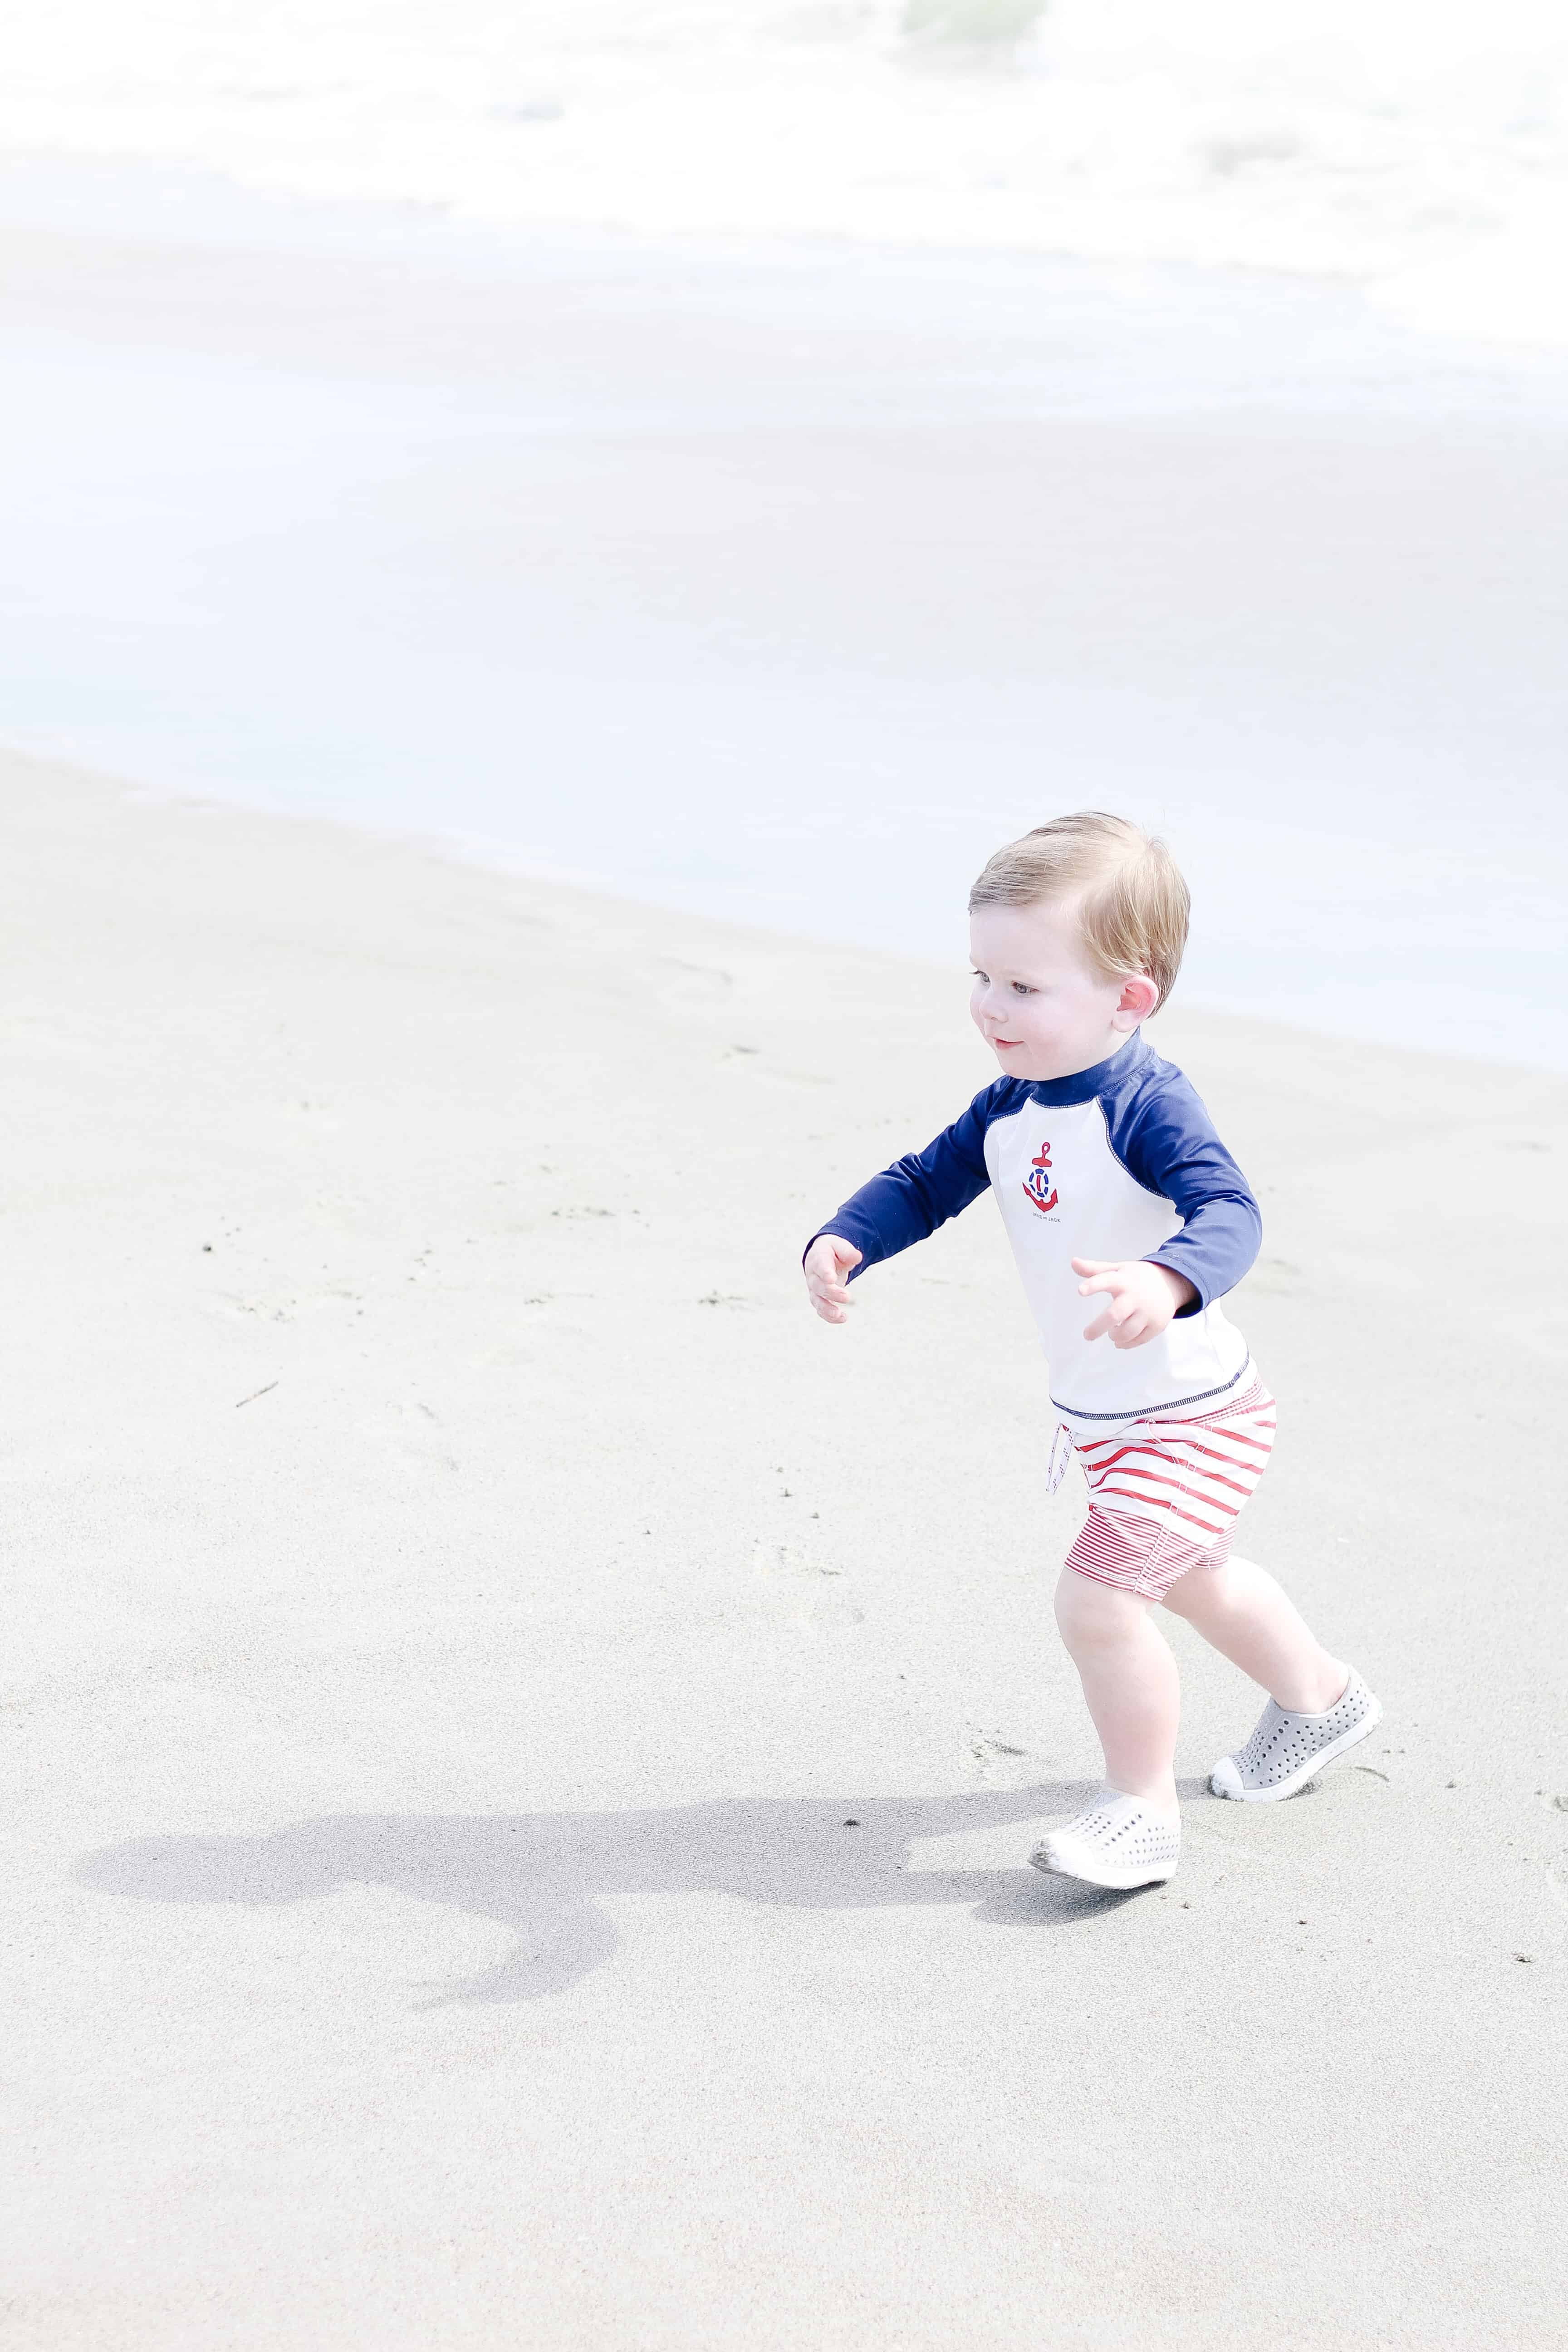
(1088, 1613)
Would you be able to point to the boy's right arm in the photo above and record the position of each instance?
(902, 1205)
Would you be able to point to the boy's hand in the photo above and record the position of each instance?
(828, 1263)
(1142, 1298)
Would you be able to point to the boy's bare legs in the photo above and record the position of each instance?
(1129, 1680)
(1241, 1612)
(1129, 1675)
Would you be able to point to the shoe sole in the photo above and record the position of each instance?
(1304, 1772)
(1123, 1881)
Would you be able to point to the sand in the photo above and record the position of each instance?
(523, 1745)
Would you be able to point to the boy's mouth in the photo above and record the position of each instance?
(1006, 1045)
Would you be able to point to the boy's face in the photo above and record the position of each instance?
(1044, 1009)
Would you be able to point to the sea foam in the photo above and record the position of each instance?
(1421, 151)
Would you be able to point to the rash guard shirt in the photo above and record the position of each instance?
(1120, 1161)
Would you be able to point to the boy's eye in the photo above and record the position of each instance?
(1019, 989)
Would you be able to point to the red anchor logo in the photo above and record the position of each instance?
(1038, 1184)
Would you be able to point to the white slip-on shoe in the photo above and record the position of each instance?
(1118, 1842)
(1288, 1750)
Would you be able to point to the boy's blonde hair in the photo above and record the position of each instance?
(1135, 904)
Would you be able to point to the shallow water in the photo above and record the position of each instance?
(782, 580)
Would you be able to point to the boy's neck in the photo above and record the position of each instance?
(1118, 1043)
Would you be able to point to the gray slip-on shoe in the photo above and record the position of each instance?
(1287, 1751)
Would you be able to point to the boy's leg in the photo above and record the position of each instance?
(1244, 1614)
(1317, 1706)
(1129, 1680)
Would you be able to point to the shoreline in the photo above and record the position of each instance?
(172, 199)
(496, 859)
(793, 590)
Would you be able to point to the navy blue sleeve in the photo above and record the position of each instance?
(908, 1200)
(1166, 1139)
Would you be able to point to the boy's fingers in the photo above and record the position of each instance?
(1095, 1264)
(1109, 1280)
(1098, 1329)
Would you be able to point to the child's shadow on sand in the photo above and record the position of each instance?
(540, 1872)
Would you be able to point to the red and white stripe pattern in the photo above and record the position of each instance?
(1163, 1495)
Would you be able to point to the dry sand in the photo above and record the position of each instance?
(524, 1744)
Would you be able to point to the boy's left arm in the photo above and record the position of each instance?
(1166, 1139)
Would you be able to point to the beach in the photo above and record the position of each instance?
(542, 551)
(524, 1746)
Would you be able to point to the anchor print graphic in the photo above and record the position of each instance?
(1039, 1183)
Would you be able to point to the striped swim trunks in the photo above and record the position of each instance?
(1164, 1494)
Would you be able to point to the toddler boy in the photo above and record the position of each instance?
(1113, 1186)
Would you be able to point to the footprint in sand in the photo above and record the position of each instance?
(415, 1446)
(288, 1307)
(993, 1760)
(693, 984)
(808, 1605)
(770, 1558)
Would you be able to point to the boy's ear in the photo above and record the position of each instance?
(1139, 996)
